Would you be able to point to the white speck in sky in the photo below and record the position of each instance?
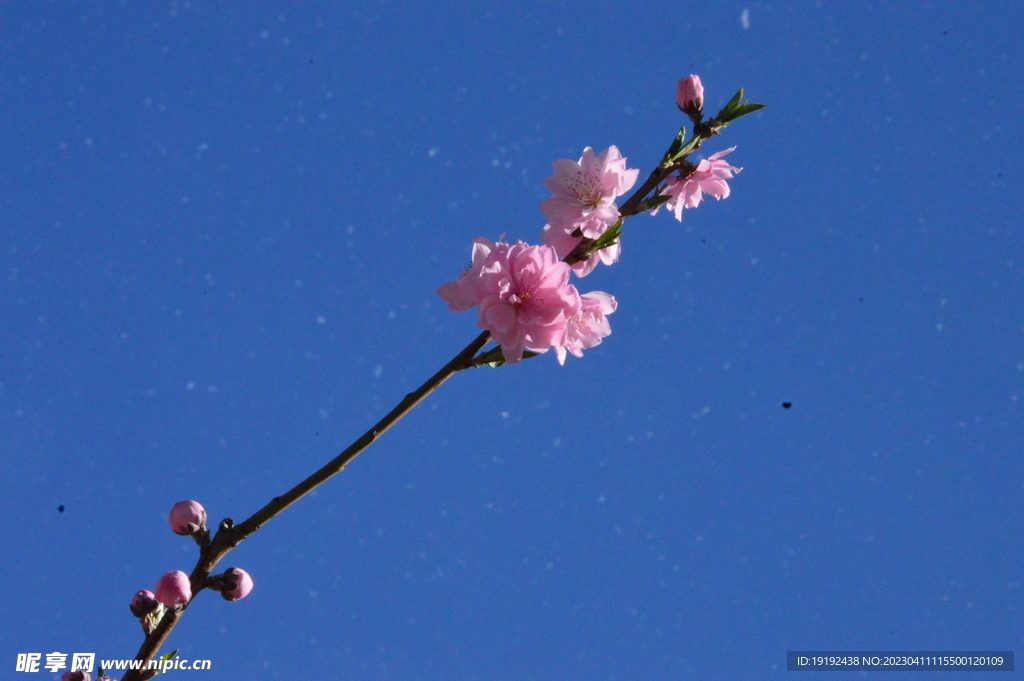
(377, 371)
(432, 152)
(745, 18)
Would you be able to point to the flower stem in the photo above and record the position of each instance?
(634, 204)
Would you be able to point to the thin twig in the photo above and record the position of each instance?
(230, 535)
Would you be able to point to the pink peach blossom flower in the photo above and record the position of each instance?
(709, 178)
(525, 298)
(521, 293)
(237, 584)
(589, 326)
(690, 95)
(173, 589)
(460, 294)
(587, 189)
(187, 517)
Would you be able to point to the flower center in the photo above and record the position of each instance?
(519, 299)
(582, 187)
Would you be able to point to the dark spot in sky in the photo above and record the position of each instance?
(787, 405)
(861, 299)
(61, 508)
(703, 241)
(310, 61)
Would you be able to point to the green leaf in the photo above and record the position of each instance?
(674, 148)
(167, 657)
(734, 101)
(609, 237)
(653, 202)
(736, 108)
(744, 109)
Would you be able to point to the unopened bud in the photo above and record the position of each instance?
(76, 676)
(187, 517)
(143, 603)
(174, 589)
(690, 96)
(237, 584)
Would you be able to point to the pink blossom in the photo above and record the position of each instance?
(589, 326)
(460, 294)
(587, 189)
(237, 584)
(564, 242)
(709, 178)
(521, 292)
(690, 95)
(187, 517)
(173, 589)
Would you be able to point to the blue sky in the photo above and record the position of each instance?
(221, 229)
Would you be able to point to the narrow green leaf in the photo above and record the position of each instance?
(608, 238)
(734, 101)
(744, 109)
(674, 148)
(165, 658)
(653, 202)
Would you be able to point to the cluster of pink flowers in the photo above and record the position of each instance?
(525, 300)
(522, 292)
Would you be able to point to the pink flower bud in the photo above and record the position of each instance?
(690, 96)
(174, 589)
(76, 676)
(187, 517)
(237, 584)
(143, 603)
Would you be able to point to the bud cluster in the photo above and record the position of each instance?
(174, 589)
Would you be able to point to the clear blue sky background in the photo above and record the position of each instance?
(221, 228)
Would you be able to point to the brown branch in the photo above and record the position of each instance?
(230, 535)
